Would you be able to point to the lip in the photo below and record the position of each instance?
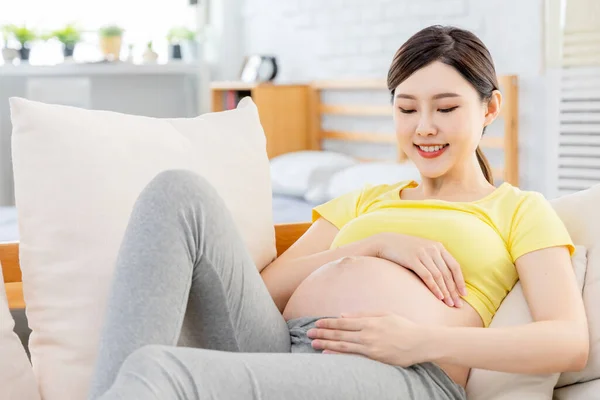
(432, 154)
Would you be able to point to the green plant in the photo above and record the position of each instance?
(6, 30)
(23, 34)
(149, 45)
(179, 34)
(111, 31)
(69, 35)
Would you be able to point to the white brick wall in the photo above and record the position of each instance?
(319, 39)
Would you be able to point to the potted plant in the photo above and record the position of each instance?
(111, 37)
(8, 54)
(150, 56)
(25, 37)
(182, 41)
(69, 36)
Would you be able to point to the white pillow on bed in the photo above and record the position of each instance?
(372, 173)
(295, 173)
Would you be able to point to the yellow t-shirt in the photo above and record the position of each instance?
(485, 236)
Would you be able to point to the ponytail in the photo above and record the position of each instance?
(485, 165)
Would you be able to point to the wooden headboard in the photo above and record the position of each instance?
(508, 142)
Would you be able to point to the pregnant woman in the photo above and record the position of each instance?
(389, 294)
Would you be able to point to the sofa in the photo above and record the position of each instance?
(70, 230)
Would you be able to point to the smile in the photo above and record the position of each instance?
(431, 151)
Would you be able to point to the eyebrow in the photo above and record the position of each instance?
(436, 97)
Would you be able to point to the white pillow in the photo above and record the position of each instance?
(374, 173)
(17, 381)
(494, 385)
(77, 175)
(293, 174)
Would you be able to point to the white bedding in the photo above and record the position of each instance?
(8, 224)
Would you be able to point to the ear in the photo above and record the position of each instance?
(493, 107)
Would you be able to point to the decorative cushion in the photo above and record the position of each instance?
(494, 385)
(77, 175)
(17, 381)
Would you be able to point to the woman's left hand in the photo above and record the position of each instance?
(381, 336)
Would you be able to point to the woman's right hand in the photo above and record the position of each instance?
(428, 259)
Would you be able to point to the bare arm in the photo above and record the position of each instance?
(556, 342)
(306, 255)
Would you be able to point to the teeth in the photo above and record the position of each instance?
(430, 149)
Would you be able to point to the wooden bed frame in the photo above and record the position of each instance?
(287, 234)
(509, 142)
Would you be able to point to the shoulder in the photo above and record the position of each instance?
(512, 199)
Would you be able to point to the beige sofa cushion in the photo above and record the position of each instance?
(581, 215)
(495, 385)
(581, 391)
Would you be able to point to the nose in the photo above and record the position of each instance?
(426, 127)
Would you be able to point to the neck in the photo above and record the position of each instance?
(467, 177)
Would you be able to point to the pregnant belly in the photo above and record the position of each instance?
(367, 283)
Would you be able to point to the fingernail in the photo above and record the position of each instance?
(459, 303)
(451, 302)
(310, 333)
(463, 292)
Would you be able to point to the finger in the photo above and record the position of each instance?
(437, 277)
(339, 347)
(448, 279)
(454, 267)
(347, 324)
(332, 334)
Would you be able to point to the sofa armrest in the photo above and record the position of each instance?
(287, 234)
(9, 258)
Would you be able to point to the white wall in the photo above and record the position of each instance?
(317, 39)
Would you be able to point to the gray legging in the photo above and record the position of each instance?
(184, 277)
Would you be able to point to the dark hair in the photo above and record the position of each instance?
(457, 48)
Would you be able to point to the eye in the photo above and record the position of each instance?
(403, 111)
(447, 110)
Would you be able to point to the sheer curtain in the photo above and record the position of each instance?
(143, 21)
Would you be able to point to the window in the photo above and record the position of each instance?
(143, 21)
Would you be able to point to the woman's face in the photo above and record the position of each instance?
(439, 118)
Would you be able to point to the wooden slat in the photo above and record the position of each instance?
(492, 142)
(287, 234)
(9, 258)
(314, 120)
(358, 110)
(14, 295)
(510, 88)
(359, 137)
(366, 84)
